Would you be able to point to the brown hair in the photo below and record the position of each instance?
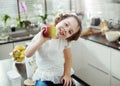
(61, 17)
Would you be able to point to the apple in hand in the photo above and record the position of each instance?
(49, 31)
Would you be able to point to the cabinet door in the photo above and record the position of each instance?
(5, 49)
(115, 67)
(115, 81)
(79, 61)
(98, 70)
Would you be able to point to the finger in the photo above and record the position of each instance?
(72, 80)
(61, 80)
(70, 83)
(65, 83)
(42, 29)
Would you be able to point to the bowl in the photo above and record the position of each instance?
(112, 36)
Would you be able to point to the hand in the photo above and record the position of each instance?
(42, 37)
(67, 80)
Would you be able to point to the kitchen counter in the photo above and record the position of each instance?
(11, 41)
(16, 40)
(98, 38)
(21, 35)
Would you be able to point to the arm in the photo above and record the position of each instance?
(66, 78)
(34, 45)
(68, 61)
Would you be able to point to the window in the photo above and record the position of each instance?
(40, 7)
(34, 8)
(8, 7)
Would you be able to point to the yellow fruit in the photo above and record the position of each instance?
(22, 52)
(19, 59)
(16, 53)
(22, 56)
(104, 26)
(20, 47)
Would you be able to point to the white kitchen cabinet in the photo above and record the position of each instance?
(115, 81)
(115, 67)
(79, 52)
(91, 62)
(97, 77)
(96, 64)
(98, 61)
(5, 49)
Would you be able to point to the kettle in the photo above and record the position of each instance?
(95, 21)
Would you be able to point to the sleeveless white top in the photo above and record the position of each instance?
(50, 60)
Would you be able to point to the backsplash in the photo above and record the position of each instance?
(104, 9)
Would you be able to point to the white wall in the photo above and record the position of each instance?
(105, 9)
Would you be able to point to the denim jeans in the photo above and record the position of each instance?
(47, 83)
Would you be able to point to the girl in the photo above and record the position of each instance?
(53, 56)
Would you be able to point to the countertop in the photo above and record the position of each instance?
(98, 38)
(16, 40)
(19, 35)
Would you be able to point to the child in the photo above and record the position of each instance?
(53, 56)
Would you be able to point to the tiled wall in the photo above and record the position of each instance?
(105, 9)
(102, 8)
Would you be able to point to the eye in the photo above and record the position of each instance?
(66, 25)
(70, 31)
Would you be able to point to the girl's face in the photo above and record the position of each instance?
(67, 27)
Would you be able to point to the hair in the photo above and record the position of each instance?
(61, 17)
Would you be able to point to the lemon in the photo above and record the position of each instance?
(16, 53)
(19, 59)
(20, 47)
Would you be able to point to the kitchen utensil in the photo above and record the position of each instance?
(95, 21)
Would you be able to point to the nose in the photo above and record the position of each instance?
(67, 29)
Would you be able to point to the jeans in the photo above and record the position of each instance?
(47, 83)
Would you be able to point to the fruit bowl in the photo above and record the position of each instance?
(112, 36)
(18, 54)
(16, 61)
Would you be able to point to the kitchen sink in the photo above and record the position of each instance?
(22, 34)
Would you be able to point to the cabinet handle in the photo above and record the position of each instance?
(115, 77)
(97, 68)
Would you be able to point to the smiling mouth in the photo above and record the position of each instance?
(62, 32)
